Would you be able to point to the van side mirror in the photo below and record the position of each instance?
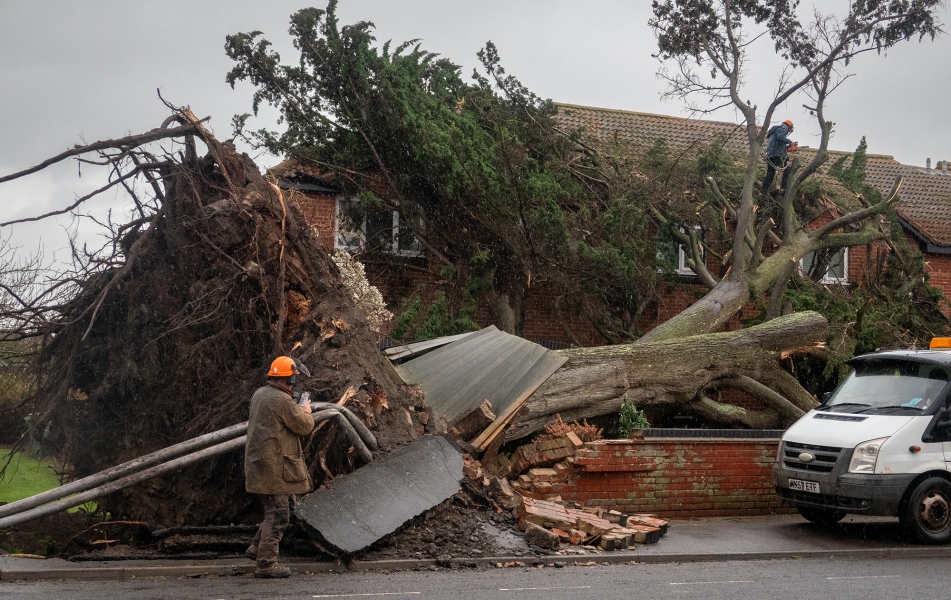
(825, 396)
(939, 430)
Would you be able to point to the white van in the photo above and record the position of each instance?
(879, 445)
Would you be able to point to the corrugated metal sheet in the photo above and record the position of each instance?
(403, 352)
(488, 364)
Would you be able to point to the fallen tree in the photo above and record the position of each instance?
(683, 374)
(164, 333)
(545, 206)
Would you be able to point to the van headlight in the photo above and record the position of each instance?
(865, 456)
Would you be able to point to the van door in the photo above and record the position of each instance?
(939, 430)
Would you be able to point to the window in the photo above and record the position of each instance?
(837, 270)
(358, 230)
(675, 254)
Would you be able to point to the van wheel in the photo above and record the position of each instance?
(824, 517)
(927, 514)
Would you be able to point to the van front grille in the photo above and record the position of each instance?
(824, 461)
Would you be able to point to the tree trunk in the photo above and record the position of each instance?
(706, 315)
(675, 372)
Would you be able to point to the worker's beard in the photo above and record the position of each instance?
(285, 385)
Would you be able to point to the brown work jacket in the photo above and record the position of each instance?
(273, 460)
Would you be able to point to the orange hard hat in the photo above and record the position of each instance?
(788, 122)
(283, 366)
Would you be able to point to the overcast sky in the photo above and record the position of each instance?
(73, 71)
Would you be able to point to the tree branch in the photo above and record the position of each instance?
(858, 215)
(774, 400)
(120, 143)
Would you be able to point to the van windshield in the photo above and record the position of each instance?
(888, 386)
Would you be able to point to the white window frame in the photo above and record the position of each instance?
(354, 240)
(682, 267)
(350, 240)
(829, 278)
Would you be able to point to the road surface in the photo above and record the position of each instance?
(840, 579)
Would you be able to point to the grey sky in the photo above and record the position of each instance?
(73, 71)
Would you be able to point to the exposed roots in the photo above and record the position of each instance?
(168, 338)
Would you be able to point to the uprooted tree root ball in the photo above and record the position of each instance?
(167, 338)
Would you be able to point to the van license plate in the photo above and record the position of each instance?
(804, 486)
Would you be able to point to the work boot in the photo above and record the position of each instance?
(275, 571)
(251, 552)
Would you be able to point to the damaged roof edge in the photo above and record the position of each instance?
(307, 187)
(930, 247)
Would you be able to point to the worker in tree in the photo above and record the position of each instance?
(778, 143)
(274, 465)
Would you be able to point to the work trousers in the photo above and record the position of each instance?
(779, 161)
(277, 514)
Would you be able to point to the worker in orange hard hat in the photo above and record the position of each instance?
(778, 144)
(274, 465)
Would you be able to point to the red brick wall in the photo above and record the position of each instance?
(541, 322)
(939, 272)
(320, 211)
(674, 477)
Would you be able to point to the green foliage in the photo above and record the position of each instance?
(695, 30)
(441, 321)
(25, 476)
(630, 418)
(852, 175)
(505, 195)
(48, 546)
(11, 549)
(405, 318)
(439, 318)
(894, 306)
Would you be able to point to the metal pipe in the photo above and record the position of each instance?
(110, 474)
(109, 481)
(122, 483)
(365, 434)
(348, 429)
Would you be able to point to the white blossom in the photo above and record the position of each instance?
(367, 297)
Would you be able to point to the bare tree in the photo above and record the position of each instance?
(704, 45)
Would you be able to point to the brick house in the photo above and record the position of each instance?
(924, 212)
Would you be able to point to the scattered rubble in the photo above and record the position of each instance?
(541, 537)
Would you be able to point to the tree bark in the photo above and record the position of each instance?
(675, 372)
(707, 315)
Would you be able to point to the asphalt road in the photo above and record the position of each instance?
(841, 579)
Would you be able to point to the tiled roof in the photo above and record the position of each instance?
(643, 129)
(298, 172)
(925, 198)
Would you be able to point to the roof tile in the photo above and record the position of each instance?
(925, 198)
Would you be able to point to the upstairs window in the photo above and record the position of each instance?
(676, 255)
(837, 270)
(359, 230)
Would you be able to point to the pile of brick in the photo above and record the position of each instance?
(547, 520)
(537, 468)
(589, 526)
(544, 453)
